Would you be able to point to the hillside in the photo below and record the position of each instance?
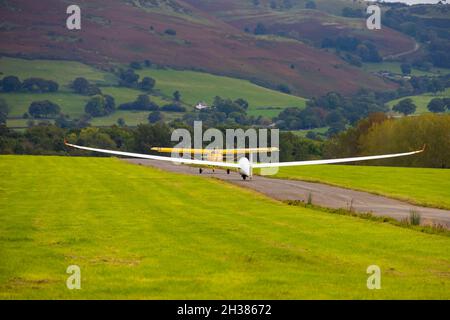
(139, 233)
(120, 31)
(309, 25)
(193, 86)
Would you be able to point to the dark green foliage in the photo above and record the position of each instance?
(406, 68)
(155, 116)
(177, 96)
(128, 78)
(99, 106)
(260, 29)
(147, 84)
(4, 110)
(11, 84)
(142, 102)
(437, 105)
(43, 109)
(82, 86)
(405, 106)
(170, 32)
(39, 85)
(173, 107)
(352, 13)
(310, 5)
(284, 88)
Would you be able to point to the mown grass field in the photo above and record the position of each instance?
(395, 67)
(138, 232)
(197, 86)
(429, 187)
(63, 72)
(422, 101)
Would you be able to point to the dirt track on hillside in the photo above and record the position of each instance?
(322, 195)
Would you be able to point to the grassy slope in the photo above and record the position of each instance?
(196, 86)
(421, 101)
(395, 67)
(429, 187)
(138, 232)
(63, 72)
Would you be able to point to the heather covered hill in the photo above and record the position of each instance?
(178, 34)
(304, 24)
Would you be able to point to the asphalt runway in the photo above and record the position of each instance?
(322, 195)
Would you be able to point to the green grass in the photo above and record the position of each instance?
(70, 103)
(422, 101)
(197, 86)
(429, 187)
(138, 232)
(132, 118)
(395, 67)
(63, 72)
(303, 133)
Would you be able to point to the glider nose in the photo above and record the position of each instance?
(244, 167)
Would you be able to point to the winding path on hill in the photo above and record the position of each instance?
(322, 195)
(404, 53)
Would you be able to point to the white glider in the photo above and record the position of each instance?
(244, 165)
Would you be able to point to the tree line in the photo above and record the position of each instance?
(379, 134)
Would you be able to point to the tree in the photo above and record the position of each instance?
(135, 65)
(4, 110)
(155, 116)
(284, 88)
(173, 107)
(447, 103)
(82, 86)
(39, 85)
(406, 68)
(128, 78)
(436, 105)
(99, 106)
(147, 83)
(43, 109)
(310, 5)
(121, 122)
(142, 102)
(242, 103)
(11, 84)
(170, 32)
(260, 29)
(405, 106)
(177, 96)
(110, 104)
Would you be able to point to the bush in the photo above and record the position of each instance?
(142, 102)
(414, 217)
(173, 107)
(99, 106)
(437, 105)
(43, 109)
(170, 32)
(11, 84)
(155, 116)
(405, 106)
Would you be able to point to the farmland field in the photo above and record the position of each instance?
(137, 232)
(424, 186)
(421, 101)
(395, 67)
(63, 72)
(196, 87)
